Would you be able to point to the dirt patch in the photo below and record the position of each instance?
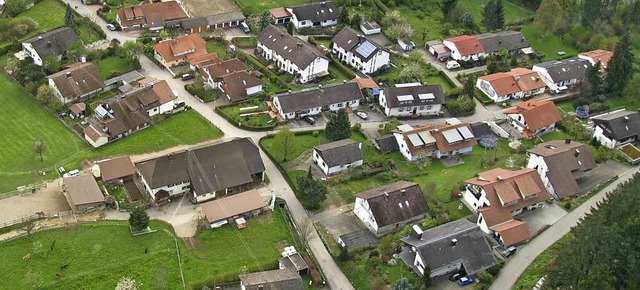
(190, 242)
(209, 7)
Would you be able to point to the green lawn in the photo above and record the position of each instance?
(98, 254)
(438, 80)
(25, 121)
(250, 7)
(48, 13)
(217, 46)
(111, 66)
(304, 142)
(257, 121)
(549, 45)
(512, 12)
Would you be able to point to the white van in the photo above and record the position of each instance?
(74, 172)
(452, 64)
(245, 27)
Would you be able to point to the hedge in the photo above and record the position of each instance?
(482, 97)
(345, 70)
(262, 68)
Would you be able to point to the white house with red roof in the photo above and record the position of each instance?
(464, 47)
(598, 55)
(533, 117)
(514, 84)
(449, 139)
(499, 195)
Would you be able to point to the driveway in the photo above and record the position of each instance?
(539, 219)
(602, 173)
(339, 220)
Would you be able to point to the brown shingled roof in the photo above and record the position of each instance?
(395, 202)
(116, 168)
(152, 12)
(236, 84)
(77, 80)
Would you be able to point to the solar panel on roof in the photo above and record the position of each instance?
(428, 96)
(404, 98)
(465, 132)
(366, 49)
(452, 136)
(415, 140)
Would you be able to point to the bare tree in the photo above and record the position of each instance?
(39, 148)
(305, 229)
(29, 227)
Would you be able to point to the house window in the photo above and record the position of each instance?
(421, 108)
(429, 107)
(480, 219)
(401, 110)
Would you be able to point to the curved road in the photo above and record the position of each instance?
(527, 253)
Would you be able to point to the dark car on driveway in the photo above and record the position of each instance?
(466, 280)
(509, 251)
(310, 120)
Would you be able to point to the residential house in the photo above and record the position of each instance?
(438, 49)
(386, 143)
(223, 20)
(449, 248)
(357, 239)
(292, 55)
(152, 15)
(82, 193)
(319, 14)
(598, 55)
(281, 279)
(95, 136)
(152, 96)
(214, 70)
(617, 128)
(533, 117)
(117, 119)
(116, 170)
(406, 100)
(464, 47)
(499, 195)
(203, 173)
(370, 27)
(450, 139)
(406, 44)
(77, 110)
(172, 52)
(358, 52)
(390, 207)
(515, 84)
(79, 81)
(511, 41)
(338, 156)
(561, 164)
(199, 61)
(560, 75)
(54, 42)
(291, 259)
(226, 210)
(313, 101)
(280, 15)
(238, 86)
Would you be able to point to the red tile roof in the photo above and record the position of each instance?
(280, 12)
(157, 11)
(512, 232)
(536, 114)
(172, 49)
(466, 45)
(366, 83)
(502, 83)
(603, 56)
(527, 80)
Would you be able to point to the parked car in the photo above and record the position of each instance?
(111, 27)
(74, 172)
(310, 120)
(188, 76)
(509, 251)
(362, 115)
(452, 64)
(245, 28)
(466, 280)
(456, 276)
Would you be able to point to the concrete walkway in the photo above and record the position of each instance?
(527, 253)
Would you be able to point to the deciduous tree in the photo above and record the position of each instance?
(447, 7)
(548, 16)
(284, 142)
(39, 149)
(413, 72)
(338, 127)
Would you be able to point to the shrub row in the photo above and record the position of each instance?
(262, 68)
(342, 68)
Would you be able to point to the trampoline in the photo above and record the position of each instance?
(582, 112)
(487, 141)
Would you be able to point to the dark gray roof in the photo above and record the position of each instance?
(340, 152)
(319, 97)
(566, 69)
(510, 40)
(350, 40)
(370, 25)
(297, 51)
(194, 22)
(392, 94)
(295, 262)
(565, 163)
(316, 12)
(209, 169)
(225, 17)
(472, 248)
(395, 202)
(54, 42)
(616, 127)
(481, 129)
(77, 80)
(359, 239)
(282, 279)
(387, 143)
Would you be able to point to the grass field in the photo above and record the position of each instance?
(217, 46)
(250, 7)
(109, 66)
(98, 254)
(549, 45)
(512, 12)
(48, 13)
(24, 121)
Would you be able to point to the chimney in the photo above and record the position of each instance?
(416, 232)
(299, 45)
(567, 141)
(48, 43)
(577, 152)
(344, 81)
(386, 195)
(499, 178)
(83, 59)
(175, 41)
(68, 74)
(626, 119)
(454, 242)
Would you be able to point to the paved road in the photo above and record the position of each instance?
(527, 253)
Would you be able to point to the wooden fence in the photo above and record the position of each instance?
(35, 216)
